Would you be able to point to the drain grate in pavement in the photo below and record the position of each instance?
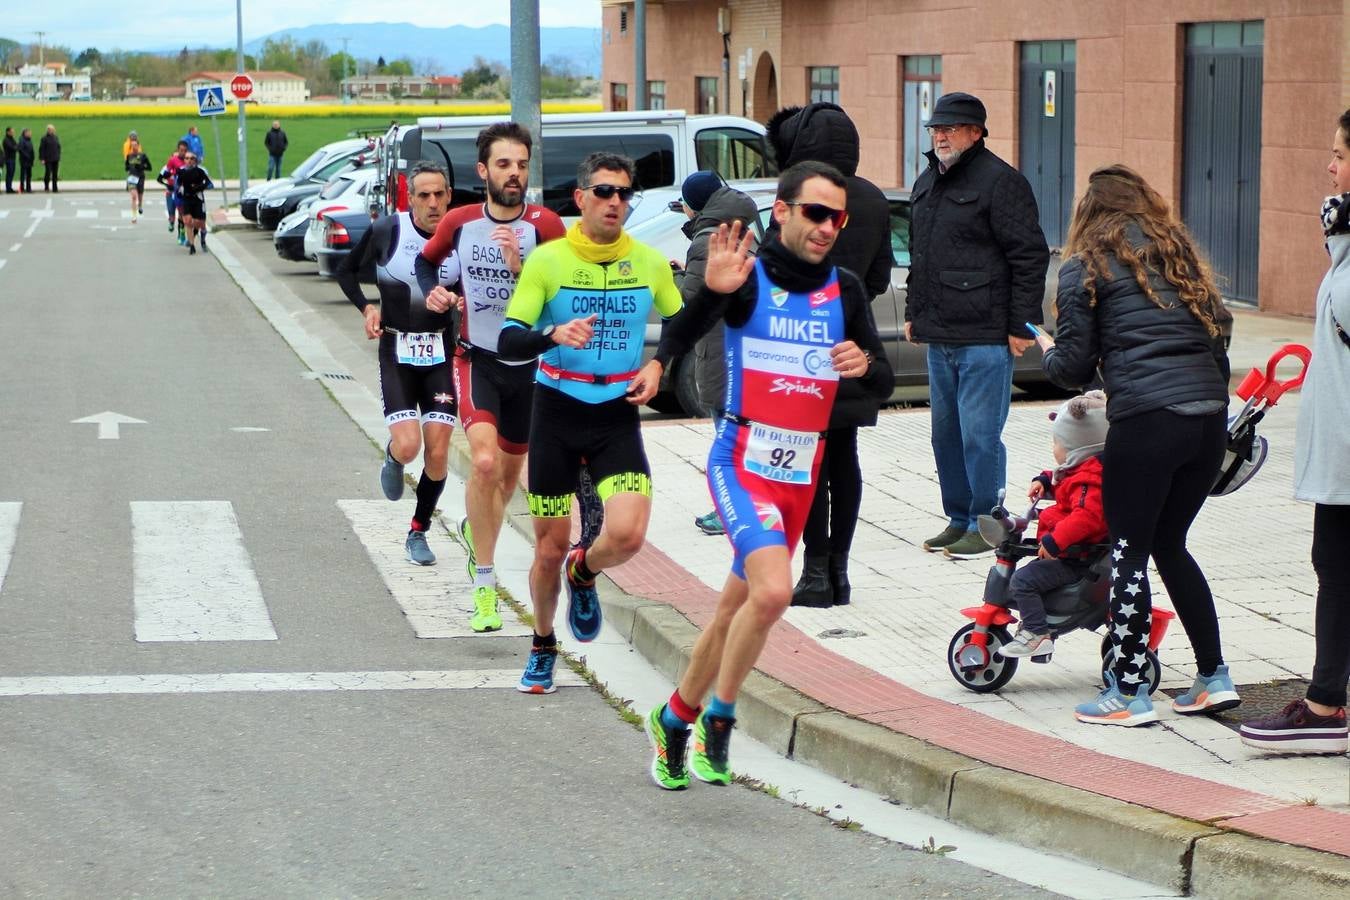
(840, 633)
(1258, 699)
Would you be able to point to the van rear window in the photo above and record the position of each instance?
(654, 155)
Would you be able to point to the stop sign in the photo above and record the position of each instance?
(241, 86)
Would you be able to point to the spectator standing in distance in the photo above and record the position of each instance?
(137, 164)
(1317, 724)
(1138, 304)
(823, 132)
(26, 157)
(977, 276)
(194, 143)
(276, 144)
(708, 203)
(11, 151)
(49, 152)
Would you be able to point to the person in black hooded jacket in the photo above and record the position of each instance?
(823, 132)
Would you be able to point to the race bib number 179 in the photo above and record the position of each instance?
(421, 348)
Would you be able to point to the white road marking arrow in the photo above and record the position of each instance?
(108, 424)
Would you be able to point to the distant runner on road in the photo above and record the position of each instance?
(413, 350)
(487, 245)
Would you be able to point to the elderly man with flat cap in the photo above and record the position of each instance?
(976, 278)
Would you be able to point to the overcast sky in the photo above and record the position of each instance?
(78, 24)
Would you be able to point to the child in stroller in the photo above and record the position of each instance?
(1066, 530)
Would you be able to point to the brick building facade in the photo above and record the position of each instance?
(1227, 106)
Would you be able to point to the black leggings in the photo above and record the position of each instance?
(1157, 471)
(1331, 562)
(834, 509)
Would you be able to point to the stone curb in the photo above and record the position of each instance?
(1189, 857)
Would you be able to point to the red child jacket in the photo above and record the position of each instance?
(1077, 516)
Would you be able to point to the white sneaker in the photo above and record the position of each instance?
(1026, 643)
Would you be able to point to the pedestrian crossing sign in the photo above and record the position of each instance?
(211, 100)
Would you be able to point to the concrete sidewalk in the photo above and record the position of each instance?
(864, 691)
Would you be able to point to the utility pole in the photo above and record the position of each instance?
(525, 86)
(42, 68)
(640, 54)
(346, 87)
(243, 116)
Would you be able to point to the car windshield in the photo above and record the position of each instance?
(335, 188)
(301, 172)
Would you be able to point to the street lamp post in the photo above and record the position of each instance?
(243, 116)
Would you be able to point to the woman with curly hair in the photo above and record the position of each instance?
(1137, 300)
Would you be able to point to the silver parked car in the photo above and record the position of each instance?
(663, 230)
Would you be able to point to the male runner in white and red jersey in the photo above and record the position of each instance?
(486, 245)
(795, 326)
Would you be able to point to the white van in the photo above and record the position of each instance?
(666, 145)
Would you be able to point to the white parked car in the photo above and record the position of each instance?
(344, 192)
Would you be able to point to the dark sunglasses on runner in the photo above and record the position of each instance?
(605, 191)
(820, 213)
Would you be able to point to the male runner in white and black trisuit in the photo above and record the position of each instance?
(486, 245)
(416, 339)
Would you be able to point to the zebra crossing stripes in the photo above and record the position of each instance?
(86, 214)
(193, 578)
(9, 533)
(437, 600)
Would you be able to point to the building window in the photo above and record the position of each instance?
(922, 86)
(618, 97)
(656, 95)
(623, 21)
(824, 84)
(705, 94)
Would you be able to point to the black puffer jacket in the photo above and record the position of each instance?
(823, 132)
(724, 206)
(1150, 357)
(978, 254)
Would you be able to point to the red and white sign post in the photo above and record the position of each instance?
(241, 87)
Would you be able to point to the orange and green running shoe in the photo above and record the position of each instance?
(712, 745)
(669, 744)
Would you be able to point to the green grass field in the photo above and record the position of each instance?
(91, 149)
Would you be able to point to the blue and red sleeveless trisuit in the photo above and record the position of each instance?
(780, 390)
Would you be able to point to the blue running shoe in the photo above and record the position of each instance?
(419, 554)
(583, 602)
(538, 677)
(1208, 695)
(391, 477)
(1114, 708)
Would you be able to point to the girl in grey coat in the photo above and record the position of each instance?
(1316, 724)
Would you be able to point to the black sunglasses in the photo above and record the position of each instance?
(820, 213)
(606, 191)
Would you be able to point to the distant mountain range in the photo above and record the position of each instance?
(451, 49)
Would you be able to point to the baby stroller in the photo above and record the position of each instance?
(1246, 449)
(973, 654)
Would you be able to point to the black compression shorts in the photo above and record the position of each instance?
(565, 431)
(406, 389)
(490, 391)
(194, 207)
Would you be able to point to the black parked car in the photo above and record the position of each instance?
(289, 238)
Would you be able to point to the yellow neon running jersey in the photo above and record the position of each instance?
(556, 286)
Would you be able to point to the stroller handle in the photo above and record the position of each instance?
(1261, 386)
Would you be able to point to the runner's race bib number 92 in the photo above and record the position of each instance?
(778, 454)
(421, 348)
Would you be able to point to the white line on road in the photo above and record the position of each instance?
(41, 213)
(9, 533)
(32, 228)
(2, 263)
(126, 214)
(14, 248)
(193, 578)
(86, 214)
(269, 682)
(436, 606)
(4, 214)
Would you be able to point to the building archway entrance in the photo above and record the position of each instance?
(764, 100)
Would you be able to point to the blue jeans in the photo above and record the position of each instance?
(273, 167)
(969, 388)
